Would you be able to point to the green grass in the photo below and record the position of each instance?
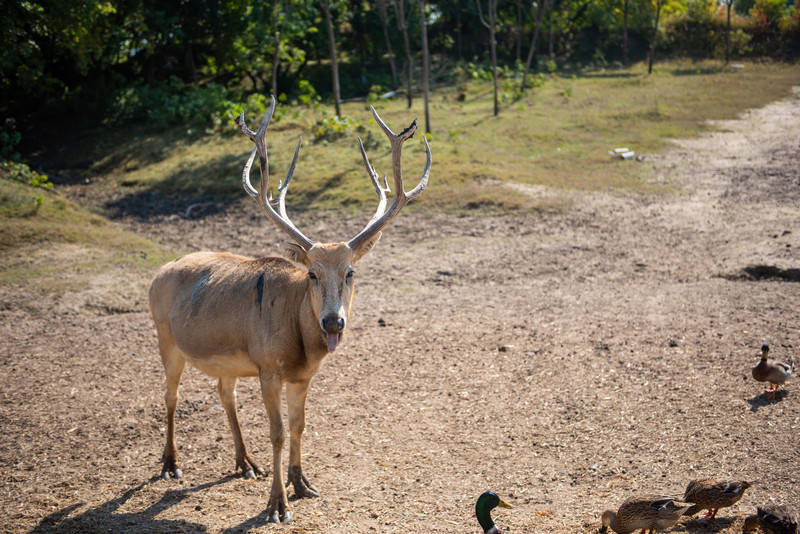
(558, 135)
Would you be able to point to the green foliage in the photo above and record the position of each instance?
(330, 127)
(9, 139)
(21, 172)
(307, 94)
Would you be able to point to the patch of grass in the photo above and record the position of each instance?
(558, 135)
(48, 243)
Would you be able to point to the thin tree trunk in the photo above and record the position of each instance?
(403, 25)
(539, 15)
(337, 99)
(550, 32)
(459, 45)
(625, 32)
(384, 16)
(728, 36)
(188, 56)
(653, 40)
(519, 30)
(492, 44)
(276, 54)
(426, 63)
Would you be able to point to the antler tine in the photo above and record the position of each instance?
(280, 219)
(283, 187)
(373, 176)
(401, 198)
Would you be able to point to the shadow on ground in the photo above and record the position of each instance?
(699, 525)
(762, 400)
(105, 518)
(765, 272)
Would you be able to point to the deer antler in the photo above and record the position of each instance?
(401, 198)
(279, 218)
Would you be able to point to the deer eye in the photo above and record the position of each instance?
(350, 274)
(312, 275)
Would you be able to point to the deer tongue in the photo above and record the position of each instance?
(333, 339)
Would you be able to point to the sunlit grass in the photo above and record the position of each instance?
(558, 136)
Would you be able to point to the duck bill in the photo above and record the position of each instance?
(504, 504)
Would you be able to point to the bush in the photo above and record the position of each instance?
(331, 127)
(20, 172)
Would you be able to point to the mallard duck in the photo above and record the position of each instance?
(773, 519)
(711, 495)
(644, 512)
(776, 373)
(487, 502)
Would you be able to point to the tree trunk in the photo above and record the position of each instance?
(384, 16)
(492, 44)
(653, 40)
(539, 15)
(625, 59)
(519, 30)
(337, 99)
(188, 55)
(426, 63)
(276, 54)
(403, 25)
(459, 45)
(550, 32)
(728, 36)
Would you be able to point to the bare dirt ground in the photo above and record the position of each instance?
(564, 360)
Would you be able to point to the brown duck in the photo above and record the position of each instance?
(773, 519)
(711, 495)
(644, 512)
(776, 373)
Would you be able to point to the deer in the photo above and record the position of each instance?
(275, 318)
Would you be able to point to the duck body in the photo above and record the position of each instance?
(644, 512)
(711, 495)
(773, 519)
(776, 373)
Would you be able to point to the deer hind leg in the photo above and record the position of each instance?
(278, 506)
(296, 401)
(226, 387)
(174, 362)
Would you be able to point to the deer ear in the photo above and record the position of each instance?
(365, 247)
(295, 252)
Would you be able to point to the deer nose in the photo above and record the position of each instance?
(332, 323)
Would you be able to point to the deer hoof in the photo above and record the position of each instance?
(176, 473)
(249, 474)
(275, 517)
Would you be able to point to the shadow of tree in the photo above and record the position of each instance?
(104, 518)
(602, 75)
(762, 400)
(700, 71)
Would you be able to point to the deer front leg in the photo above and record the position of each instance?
(296, 401)
(226, 387)
(173, 367)
(277, 507)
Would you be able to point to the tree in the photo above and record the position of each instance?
(426, 63)
(728, 34)
(384, 16)
(337, 98)
(402, 24)
(490, 25)
(625, 47)
(541, 7)
(652, 53)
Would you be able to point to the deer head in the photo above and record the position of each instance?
(330, 265)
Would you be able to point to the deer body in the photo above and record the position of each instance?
(231, 316)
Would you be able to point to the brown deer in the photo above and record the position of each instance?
(275, 318)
